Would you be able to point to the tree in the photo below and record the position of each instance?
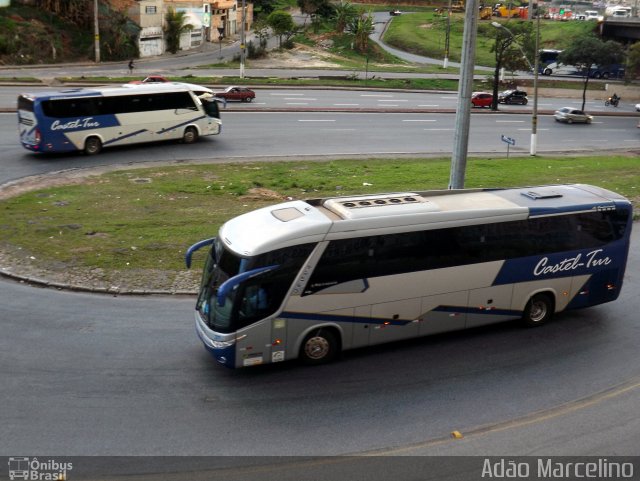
(633, 61)
(588, 51)
(262, 8)
(315, 9)
(344, 12)
(174, 27)
(511, 45)
(282, 24)
(361, 27)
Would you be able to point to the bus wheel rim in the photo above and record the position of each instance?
(316, 347)
(538, 311)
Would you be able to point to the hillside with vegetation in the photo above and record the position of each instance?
(44, 32)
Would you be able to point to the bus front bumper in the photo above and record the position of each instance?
(223, 351)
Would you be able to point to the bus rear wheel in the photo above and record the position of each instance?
(190, 135)
(538, 311)
(319, 347)
(92, 146)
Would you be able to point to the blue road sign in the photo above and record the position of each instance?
(508, 140)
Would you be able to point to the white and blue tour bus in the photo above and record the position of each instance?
(309, 279)
(88, 119)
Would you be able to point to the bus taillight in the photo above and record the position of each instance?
(38, 137)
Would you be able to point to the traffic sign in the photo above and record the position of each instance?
(508, 140)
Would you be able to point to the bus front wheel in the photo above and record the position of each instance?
(190, 135)
(539, 310)
(92, 146)
(319, 347)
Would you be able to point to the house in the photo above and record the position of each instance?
(211, 21)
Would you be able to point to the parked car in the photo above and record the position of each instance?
(513, 97)
(481, 99)
(571, 115)
(237, 93)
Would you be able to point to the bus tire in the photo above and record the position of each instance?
(190, 135)
(92, 146)
(319, 347)
(538, 311)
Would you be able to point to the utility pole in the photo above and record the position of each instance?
(465, 89)
(96, 30)
(243, 39)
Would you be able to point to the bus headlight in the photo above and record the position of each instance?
(222, 344)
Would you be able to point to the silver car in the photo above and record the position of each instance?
(571, 115)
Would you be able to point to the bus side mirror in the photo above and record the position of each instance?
(229, 284)
(195, 247)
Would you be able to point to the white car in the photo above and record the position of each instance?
(637, 107)
(570, 115)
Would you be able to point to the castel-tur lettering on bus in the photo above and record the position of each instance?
(591, 260)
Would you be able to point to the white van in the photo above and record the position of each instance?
(592, 15)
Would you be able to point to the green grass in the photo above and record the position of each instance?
(146, 218)
(425, 34)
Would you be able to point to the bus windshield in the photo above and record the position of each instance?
(211, 107)
(254, 296)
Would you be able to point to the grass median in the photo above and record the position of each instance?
(142, 220)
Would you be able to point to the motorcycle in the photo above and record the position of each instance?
(612, 101)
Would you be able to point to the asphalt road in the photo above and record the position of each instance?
(268, 135)
(101, 375)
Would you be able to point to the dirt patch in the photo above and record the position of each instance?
(300, 56)
(259, 193)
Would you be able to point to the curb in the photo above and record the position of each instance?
(113, 291)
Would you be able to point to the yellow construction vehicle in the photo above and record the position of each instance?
(506, 11)
(485, 13)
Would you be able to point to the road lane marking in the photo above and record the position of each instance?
(418, 120)
(536, 417)
(316, 120)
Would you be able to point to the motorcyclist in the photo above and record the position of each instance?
(615, 99)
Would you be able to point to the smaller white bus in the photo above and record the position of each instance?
(308, 279)
(92, 118)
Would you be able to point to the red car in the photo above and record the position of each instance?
(481, 99)
(150, 79)
(237, 93)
